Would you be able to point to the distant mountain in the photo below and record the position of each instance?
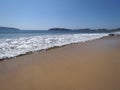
(108, 30)
(87, 30)
(59, 29)
(8, 29)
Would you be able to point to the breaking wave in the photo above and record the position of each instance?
(22, 45)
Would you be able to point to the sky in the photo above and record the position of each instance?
(45, 14)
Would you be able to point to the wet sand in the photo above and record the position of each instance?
(93, 65)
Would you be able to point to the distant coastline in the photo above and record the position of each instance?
(8, 29)
(87, 30)
(59, 29)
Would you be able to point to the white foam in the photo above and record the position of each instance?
(14, 47)
(116, 33)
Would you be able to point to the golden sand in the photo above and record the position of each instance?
(94, 65)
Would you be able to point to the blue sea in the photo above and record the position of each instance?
(13, 44)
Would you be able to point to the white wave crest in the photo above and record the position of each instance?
(14, 47)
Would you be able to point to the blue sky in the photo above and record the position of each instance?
(45, 14)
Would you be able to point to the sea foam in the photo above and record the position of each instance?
(22, 45)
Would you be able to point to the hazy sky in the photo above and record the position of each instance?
(44, 14)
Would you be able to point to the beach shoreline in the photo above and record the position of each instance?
(54, 47)
(91, 65)
(13, 47)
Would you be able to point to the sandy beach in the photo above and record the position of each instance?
(93, 65)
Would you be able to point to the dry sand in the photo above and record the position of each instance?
(94, 65)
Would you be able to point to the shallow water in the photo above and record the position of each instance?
(17, 43)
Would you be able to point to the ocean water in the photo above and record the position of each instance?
(16, 43)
